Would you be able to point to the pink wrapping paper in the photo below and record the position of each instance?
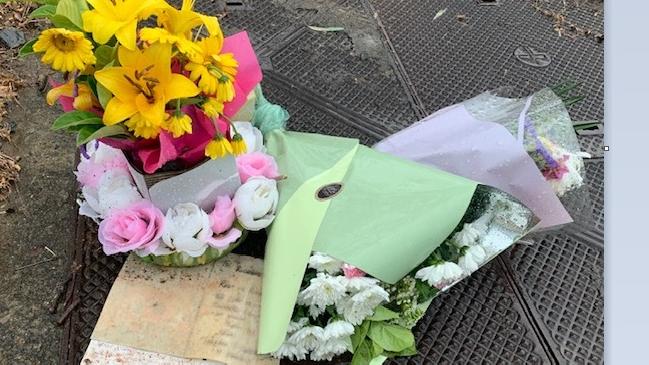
(454, 141)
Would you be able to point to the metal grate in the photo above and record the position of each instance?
(563, 279)
(470, 49)
(478, 321)
(323, 62)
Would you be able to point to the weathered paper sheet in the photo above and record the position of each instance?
(208, 312)
(103, 353)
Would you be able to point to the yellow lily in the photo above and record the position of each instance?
(119, 18)
(177, 28)
(213, 71)
(142, 86)
(84, 100)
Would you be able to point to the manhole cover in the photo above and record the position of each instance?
(532, 57)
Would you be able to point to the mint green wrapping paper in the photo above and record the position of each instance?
(389, 215)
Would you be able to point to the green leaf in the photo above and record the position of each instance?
(359, 335)
(73, 118)
(27, 48)
(103, 95)
(383, 314)
(391, 337)
(72, 9)
(44, 11)
(60, 21)
(363, 355)
(190, 101)
(105, 55)
(107, 131)
(46, 2)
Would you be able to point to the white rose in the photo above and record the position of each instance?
(114, 191)
(187, 229)
(256, 202)
(251, 135)
(322, 262)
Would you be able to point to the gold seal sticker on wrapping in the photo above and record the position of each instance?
(329, 191)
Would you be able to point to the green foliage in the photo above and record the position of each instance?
(383, 314)
(76, 118)
(44, 11)
(61, 21)
(27, 48)
(425, 291)
(105, 56)
(72, 9)
(391, 337)
(90, 132)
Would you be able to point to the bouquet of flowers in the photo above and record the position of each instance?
(171, 166)
(379, 237)
(525, 147)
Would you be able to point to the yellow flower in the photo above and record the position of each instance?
(177, 27)
(212, 107)
(84, 100)
(119, 18)
(142, 86)
(65, 50)
(218, 147)
(178, 125)
(238, 145)
(214, 72)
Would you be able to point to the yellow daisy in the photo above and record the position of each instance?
(214, 71)
(218, 147)
(178, 125)
(65, 50)
(212, 107)
(238, 145)
(143, 127)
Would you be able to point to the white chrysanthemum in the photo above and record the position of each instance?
(296, 325)
(473, 257)
(338, 329)
(327, 350)
(323, 290)
(307, 337)
(290, 351)
(469, 235)
(440, 275)
(322, 262)
(359, 283)
(357, 307)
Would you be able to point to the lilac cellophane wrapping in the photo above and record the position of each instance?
(455, 141)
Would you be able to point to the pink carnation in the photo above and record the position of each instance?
(256, 164)
(223, 215)
(137, 227)
(352, 271)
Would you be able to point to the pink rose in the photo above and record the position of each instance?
(96, 159)
(256, 164)
(223, 215)
(136, 227)
(352, 271)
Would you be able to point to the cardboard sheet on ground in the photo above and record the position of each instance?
(455, 141)
(206, 312)
(356, 204)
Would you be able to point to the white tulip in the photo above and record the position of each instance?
(251, 135)
(187, 229)
(473, 257)
(115, 191)
(256, 202)
(440, 275)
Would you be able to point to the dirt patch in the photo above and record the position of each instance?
(37, 219)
